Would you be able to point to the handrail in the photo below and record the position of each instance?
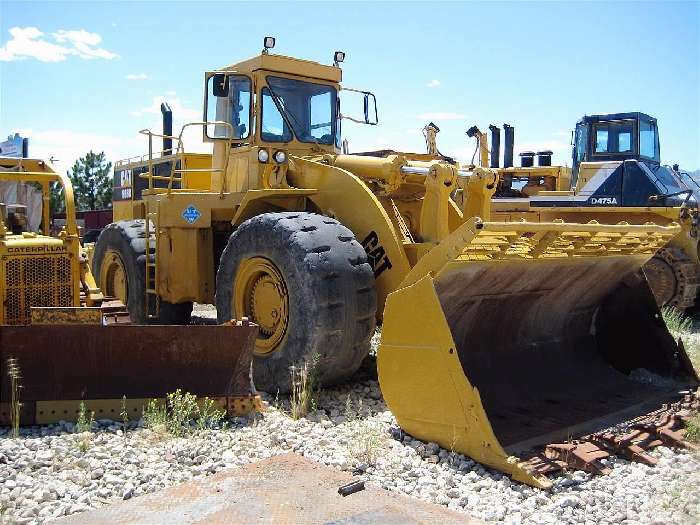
(180, 149)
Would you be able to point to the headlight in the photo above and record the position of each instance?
(280, 157)
(263, 155)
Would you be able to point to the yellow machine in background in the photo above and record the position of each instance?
(72, 346)
(316, 246)
(36, 269)
(616, 176)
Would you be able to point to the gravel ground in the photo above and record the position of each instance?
(51, 471)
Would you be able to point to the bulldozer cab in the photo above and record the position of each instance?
(616, 162)
(615, 137)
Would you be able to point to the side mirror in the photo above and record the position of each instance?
(220, 86)
(370, 106)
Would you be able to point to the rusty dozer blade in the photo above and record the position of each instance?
(510, 335)
(62, 365)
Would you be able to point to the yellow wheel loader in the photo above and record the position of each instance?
(616, 176)
(494, 335)
(69, 345)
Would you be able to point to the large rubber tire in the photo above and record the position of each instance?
(331, 300)
(128, 240)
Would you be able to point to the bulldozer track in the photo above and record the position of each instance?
(673, 278)
(631, 439)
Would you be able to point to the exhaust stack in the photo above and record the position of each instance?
(495, 146)
(167, 128)
(509, 139)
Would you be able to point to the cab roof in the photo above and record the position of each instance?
(288, 65)
(588, 119)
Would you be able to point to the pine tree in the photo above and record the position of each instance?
(92, 182)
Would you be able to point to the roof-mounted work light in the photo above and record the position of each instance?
(268, 43)
(338, 57)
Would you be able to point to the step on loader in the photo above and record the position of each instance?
(69, 345)
(494, 334)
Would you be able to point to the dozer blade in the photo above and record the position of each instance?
(510, 335)
(61, 366)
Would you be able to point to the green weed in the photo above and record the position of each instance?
(366, 438)
(85, 421)
(676, 322)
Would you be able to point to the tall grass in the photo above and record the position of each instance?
(305, 388)
(15, 375)
(366, 440)
(682, 327)
(677, 323)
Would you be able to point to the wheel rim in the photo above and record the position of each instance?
(662, 280)
(113, 277)
(260, 294)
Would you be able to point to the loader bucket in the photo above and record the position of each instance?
(62, 365)
(503, 339)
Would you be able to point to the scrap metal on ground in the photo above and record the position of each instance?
(665, 426)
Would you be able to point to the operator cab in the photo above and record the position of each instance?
(615, 137)
(616, 162)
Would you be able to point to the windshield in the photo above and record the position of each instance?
(309, 109)
(614, 137)
(669, 181)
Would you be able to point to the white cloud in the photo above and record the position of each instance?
(440, 116)
(29, 42)
(65, 146)
(433, 83)
(180, 111)
(137, 76)
(192, 138)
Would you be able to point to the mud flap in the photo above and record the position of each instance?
(62, 365)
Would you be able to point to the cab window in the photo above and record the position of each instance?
(647, 139)
(274, 127)
(308, 108)
(614, 137)
(234, 108)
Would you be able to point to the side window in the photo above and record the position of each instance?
(233, 108)
(624, 142)
(581, 142)
(274, 128)
(601, 140)
(647, 139)
(321, 126)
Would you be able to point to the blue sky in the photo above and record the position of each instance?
(76, 76)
